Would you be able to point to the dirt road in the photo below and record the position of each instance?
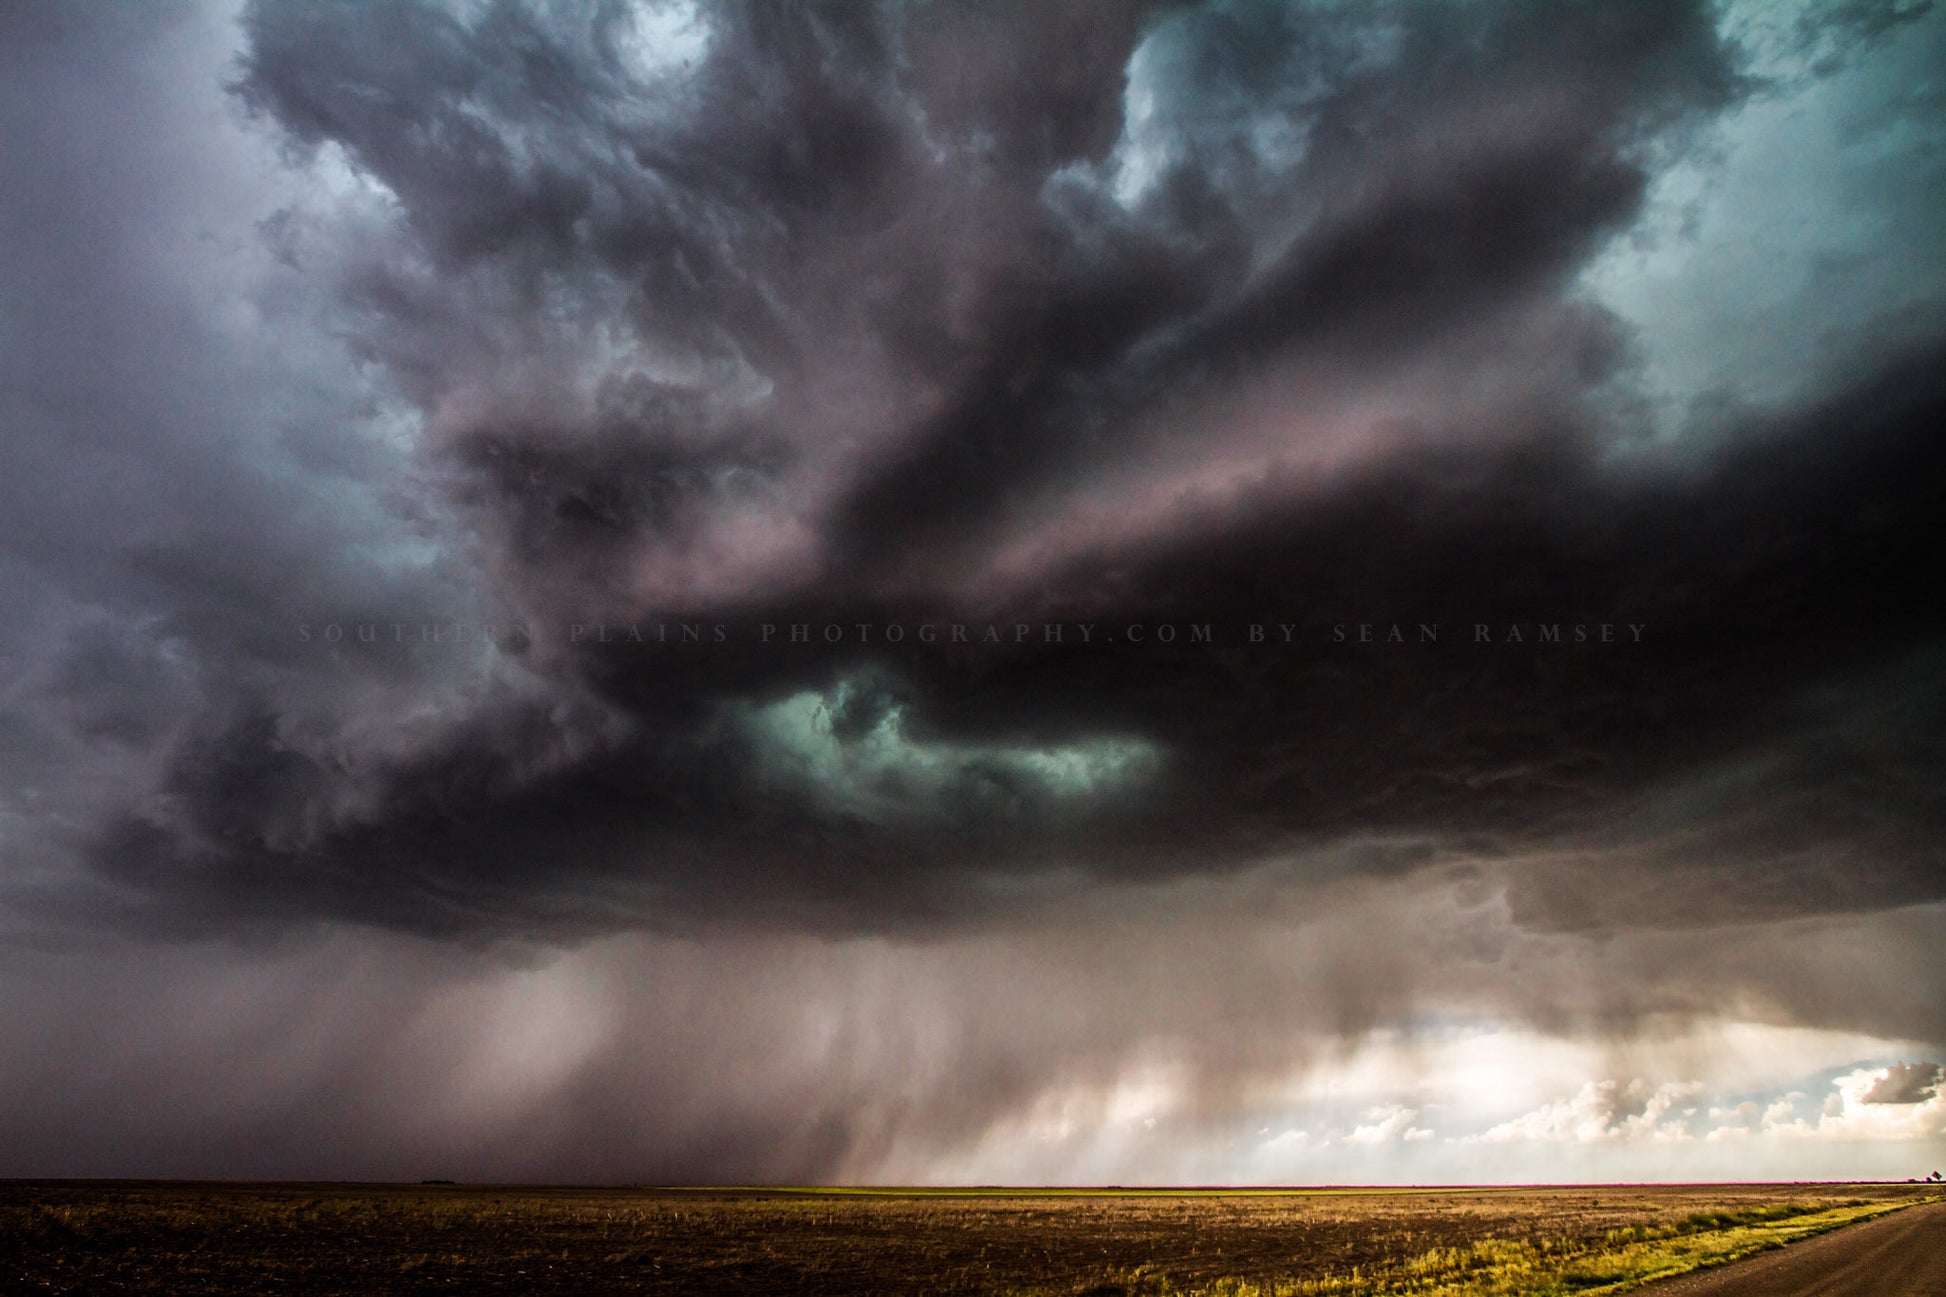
(1901, 1255)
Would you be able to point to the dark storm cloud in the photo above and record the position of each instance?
(1076, 313)
(1438, 184)
(529, 316)
(1769, 749)
(167, 503)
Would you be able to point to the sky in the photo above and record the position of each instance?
(1057, 592)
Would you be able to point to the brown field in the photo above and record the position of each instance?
(121, 1237)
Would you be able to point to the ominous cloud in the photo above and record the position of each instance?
(429, 426)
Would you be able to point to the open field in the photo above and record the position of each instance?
(109, 1237)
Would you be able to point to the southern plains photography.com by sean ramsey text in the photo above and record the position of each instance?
(517, 635)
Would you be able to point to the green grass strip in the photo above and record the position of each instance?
(1615, 1262)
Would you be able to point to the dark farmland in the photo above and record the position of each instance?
(191, 1238)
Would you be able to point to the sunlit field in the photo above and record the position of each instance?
(72, 1237)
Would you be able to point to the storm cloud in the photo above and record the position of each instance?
(802, 495)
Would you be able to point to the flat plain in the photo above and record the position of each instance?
(314, 1239)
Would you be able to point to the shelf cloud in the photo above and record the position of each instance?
(1241, 526)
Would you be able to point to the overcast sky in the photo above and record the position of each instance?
(982, 592)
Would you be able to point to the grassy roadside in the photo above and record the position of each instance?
(1620, 1260)
(1001, 1192)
